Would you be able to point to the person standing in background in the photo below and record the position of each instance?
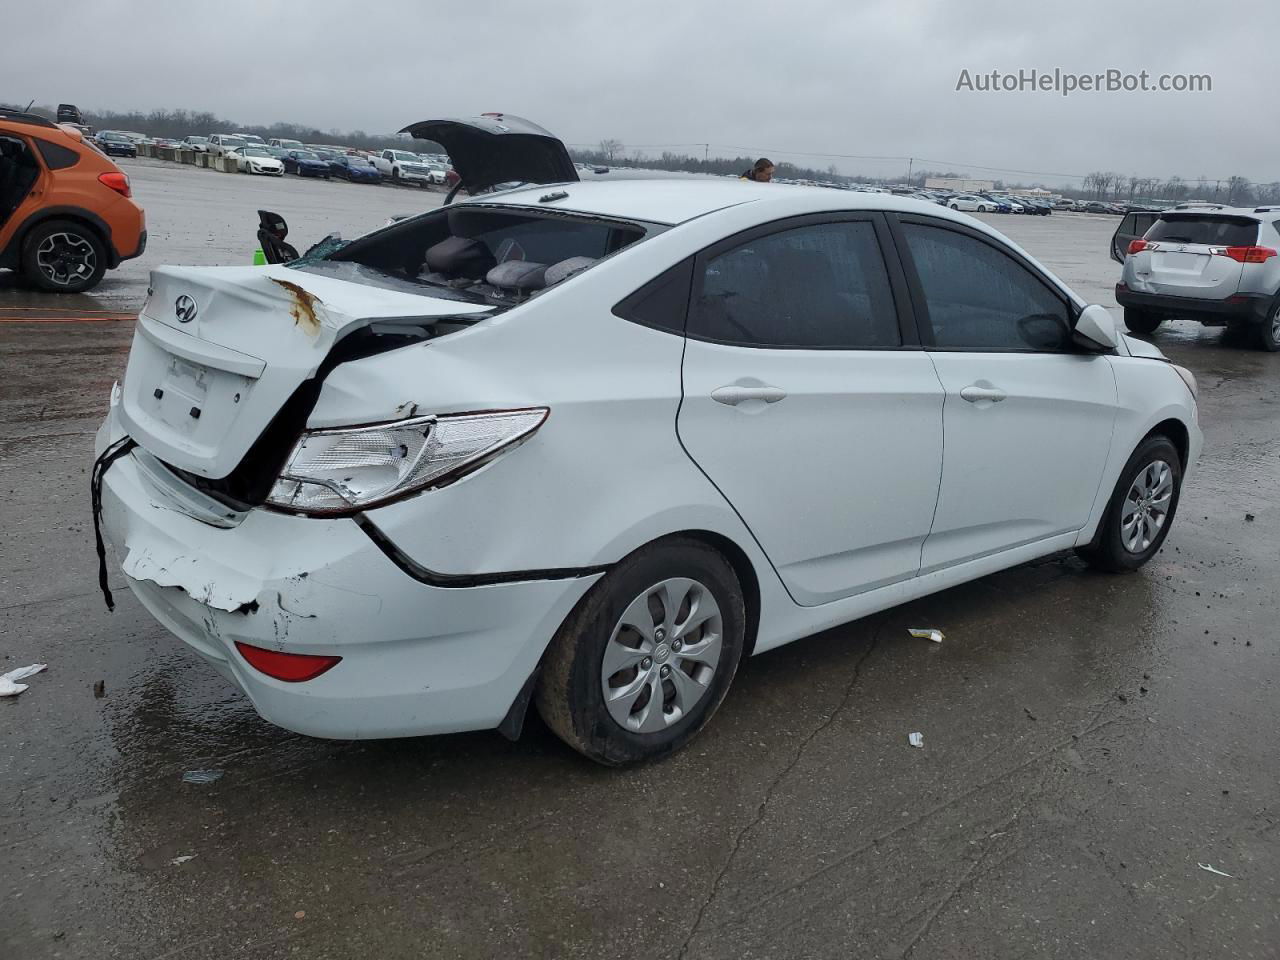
(761, 171)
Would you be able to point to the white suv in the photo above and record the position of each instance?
(401, 166)
(590, 444)
(1214, 264)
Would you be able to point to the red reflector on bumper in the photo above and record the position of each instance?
(289, 667)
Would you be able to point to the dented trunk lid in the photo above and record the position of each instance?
(218, 351)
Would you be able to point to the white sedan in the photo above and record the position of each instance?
(588, 445)
(971, 204)
(258, 160)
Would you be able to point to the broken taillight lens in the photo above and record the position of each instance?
(119, 182)
(288, 667)
(340, 471)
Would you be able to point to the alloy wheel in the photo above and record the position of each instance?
(662, 655)
(65, 258)
(1146, 506)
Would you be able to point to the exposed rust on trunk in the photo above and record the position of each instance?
(304, 306)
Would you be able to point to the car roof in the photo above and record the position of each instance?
(677, 200)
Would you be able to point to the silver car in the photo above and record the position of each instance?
(1211, 263)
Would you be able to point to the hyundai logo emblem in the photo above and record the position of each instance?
(185, 309)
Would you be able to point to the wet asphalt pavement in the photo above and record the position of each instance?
(1089, 740)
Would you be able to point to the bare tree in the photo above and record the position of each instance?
(1239, 191)
(611, 149)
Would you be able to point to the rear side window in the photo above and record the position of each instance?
(818, 286)
(662, 302)
(981, 299)
(56, 156)
(1214, 231)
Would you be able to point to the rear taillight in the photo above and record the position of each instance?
(118, 182)
(1246, 254)
(289, 667)
(1137, 246)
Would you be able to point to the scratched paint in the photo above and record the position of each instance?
(304, 306)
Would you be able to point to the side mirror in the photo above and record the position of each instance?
(1096, 329)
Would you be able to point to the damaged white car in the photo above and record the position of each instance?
(590, 444)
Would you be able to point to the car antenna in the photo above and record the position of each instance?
(30, 103)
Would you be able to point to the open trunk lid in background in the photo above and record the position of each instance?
(497, 148)
(218, 350)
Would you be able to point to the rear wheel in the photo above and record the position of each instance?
(1269, 332)
(1141, 321)
(63, 256)
(1141, 509)
(646, 657)
(955, 207)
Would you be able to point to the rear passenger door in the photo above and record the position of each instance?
(1028, 416)
(809, 404)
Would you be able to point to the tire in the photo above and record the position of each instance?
(955, 207)
(1141, 321)
(1119, 546)
(395, 175)
(981, 208)
(571, 693)
(66, 249)
(1269, 331)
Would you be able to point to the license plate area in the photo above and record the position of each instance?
(182, 392)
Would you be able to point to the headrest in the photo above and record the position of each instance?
(567, 268)
(519, 275)
(460, 257)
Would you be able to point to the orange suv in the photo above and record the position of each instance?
(65, 210)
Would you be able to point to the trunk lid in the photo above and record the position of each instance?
(497, 148)
(218, 350)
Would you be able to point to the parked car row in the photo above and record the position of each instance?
(987, 202)
(280, 156)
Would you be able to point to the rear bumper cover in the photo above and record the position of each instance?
(416, 659)
(1242, 306)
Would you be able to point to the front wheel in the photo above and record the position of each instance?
(1141, 321)
(981, 208)
(643, 661)
(955, 207)
(1141, 509)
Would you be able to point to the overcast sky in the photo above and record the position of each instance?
(792, 80)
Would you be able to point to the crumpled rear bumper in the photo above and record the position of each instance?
(416, 659)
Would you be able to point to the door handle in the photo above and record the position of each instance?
(736, 393)
(974, 394)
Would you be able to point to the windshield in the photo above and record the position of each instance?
(254, 152)
(113, 136)
(304, 155)
(358, 161)
(410, 157)
(233, 142)
(250, 138)
(197, 139)
(1211, 230)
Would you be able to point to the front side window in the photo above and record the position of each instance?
(978, 298)
(819, 286)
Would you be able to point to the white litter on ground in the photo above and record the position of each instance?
(1212, 869)
(9, 686)
(178, 861)
(915, 739)
(926, 633)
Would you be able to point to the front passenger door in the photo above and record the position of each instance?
(1028, 417)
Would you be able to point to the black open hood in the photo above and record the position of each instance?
(497, 148)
